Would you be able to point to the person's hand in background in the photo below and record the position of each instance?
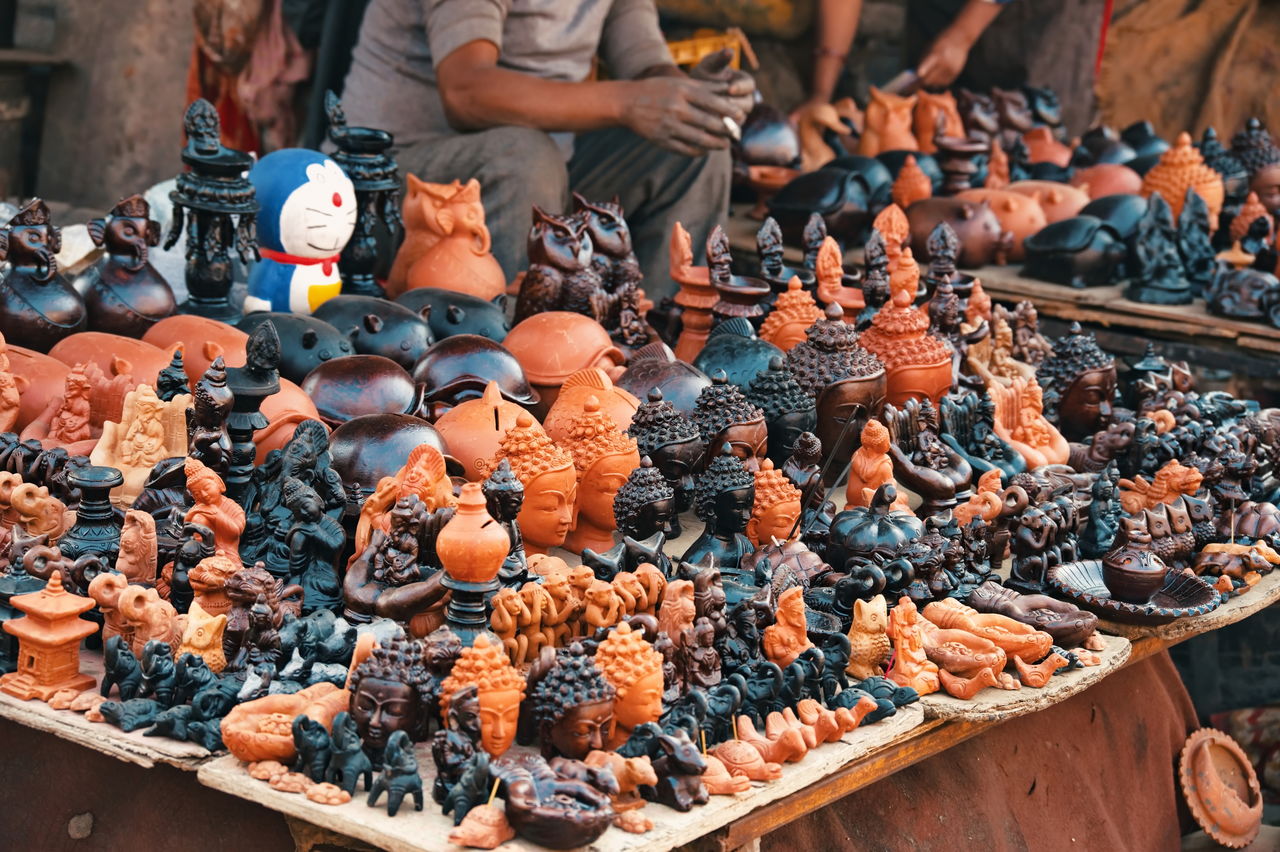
(740, 87)
(681, 114)
(949, 52)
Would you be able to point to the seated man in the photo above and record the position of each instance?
(498, 90)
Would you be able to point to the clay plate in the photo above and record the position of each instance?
(1182, 595)
(1221, 788)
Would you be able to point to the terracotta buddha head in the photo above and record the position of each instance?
(645, 504)
(788, 410)
(501, 689)
(550, 483)
(776, 508)
(634, 668)
(725, 494)
(573, 704)
(793, 313)
(391, 691)
(672, 441)
(604, 457)
(725, 416)
(1080, 380)
(424, 475)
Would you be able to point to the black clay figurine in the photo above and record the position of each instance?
(37, 305)
(123, 293)
(724, 498)
(399, 776)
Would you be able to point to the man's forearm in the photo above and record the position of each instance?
(494, 97)
(837, 25)
(974, 19)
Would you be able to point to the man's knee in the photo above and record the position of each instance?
(523, 166)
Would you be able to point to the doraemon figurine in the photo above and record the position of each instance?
(308, 213)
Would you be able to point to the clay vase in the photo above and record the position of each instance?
(1182, 168)
(553, 345)
(1058, 200)
(473, 429)
(1107, 179)
(350, 387)
(44, 379)
(145, 361)
(471, 546)
(1018, 214)
(925, 119)
(983, 240)
(459, 259)
(620, 404)
(888, 124)
(1044, 147)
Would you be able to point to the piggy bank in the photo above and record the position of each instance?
(1082, 251)
(982, 238)
(1020, 215)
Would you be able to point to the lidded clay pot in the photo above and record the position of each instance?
(472, 546)
(1132, 575)
(553, 345)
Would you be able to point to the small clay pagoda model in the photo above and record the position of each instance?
(725, 498)
(123, 293)
(216, 204)
(673, 443)
(1079, 382)
(37, 305)
(792, 314)
(550, 483)
(363, 155)
(1158, 277)
(725, 416)
(1182, 169)
(917, 364)
(1253, 146)
(789, 412)
(49, 638)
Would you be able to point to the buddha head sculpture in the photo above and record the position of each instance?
(788, 410)
(1253, 146)
(726, 494)
(573, 704)
(917, 363)
(672, 441)
(503, 493)
(550, 483)
(725, 416)
(634, 668)
(645, 504)
(1079, 384)
(604, 457)
(793, 313)
(485, 665)
(776, 508)
(875, 276)
(391, 691)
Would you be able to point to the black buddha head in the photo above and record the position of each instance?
(1080, 380)
(573, 706)
(725, 494)
(645, 504)
(789, 412)
(391, 691)
(672, 442)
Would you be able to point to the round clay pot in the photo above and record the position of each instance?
(350, 387)
(1021, 215)
(473, 429)
(1107, 179)
(553, 345)
(202, 341)
(365, 449)
(45, 376)
(380, 327)
(1058, 200)
(145, 359)
(1132, 575)
(619, 403)
(305, 342)
(458, 368)
(459, 313)
(471, 546)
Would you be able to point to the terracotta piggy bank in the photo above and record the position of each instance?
(1020, 215)
(982, 238)
(1058, 200)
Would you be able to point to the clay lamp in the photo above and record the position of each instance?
(634, 668)
(776, 508)
(604, 458)
(696, 296)
(459, 368)
(738, 295)
(725, 416)
(1132, 575)
(472, 547)
(553, 345)
(1221, 788)
(550, 483)
(1182, 168)
(49, 635)
(485, 666)
(473, 429)
(833, 284)
(573, 705)
(620, 404)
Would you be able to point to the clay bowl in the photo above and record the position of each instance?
(1058, 200)
(380, 327)
(97, 347)
(367, 448)
(202, 340)
(45, 379)
(458, 313)
(1107, 179)
(305, 342)
(350, 387)
(1221, 788)
(765, 181)
(1182, 595)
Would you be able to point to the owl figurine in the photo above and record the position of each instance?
(869, 639)
(308, 213)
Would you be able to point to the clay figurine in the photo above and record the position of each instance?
(789, 411)
(1159, 276)
(634, 669)
(917, 364)
(574, 705)
(725, 497)
(49, 635)
(869, 644)
(725, 416)
(458, 256)
(776, 511)
(1182, 168)
(399, 776)
(673, 443)
(550, 482)
(911, 665)
(348, 764)
(207, 438)
(501, 689)
(604, 457)
(888, 124)
(560, 275)
(37, 305)
(387, 580)
(504, 497)
(1079, 382)
(123, 293)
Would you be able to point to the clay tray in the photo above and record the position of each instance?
(428, 829)
(1181, 597)
(103, 737)
(998, 705)
(1236, 608)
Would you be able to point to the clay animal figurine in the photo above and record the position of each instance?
(888, 124)
(457, 253)
(560, 276)
(123, 293)
(348, 763)
(121, 670)
(399, 776)
(870, 647)
(311, 739)
(37, 305)
(308, 212)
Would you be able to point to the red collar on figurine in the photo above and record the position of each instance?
(284, 257)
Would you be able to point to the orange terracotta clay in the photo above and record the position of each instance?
(501, 689)
(144, 360)
(793, 313)
(925, 120)
(604, 457)
(74, 420)
(149, 430)
(49, 635)
(423, 476)
(619, 403)
(1037, 676)
(788, 636)
(744, 762)
(202, 637)
(911, 184)
(262, 729)
(986, 501)
(911, 665)
(960, 652)
(634, 668)
(473, 430)
(105, 590)
(893, 225)
(829, 272)
(1182, 168)
(1251, 211)
(33, 508)
(550, 483)
(766, 181)
(459, 258)
(137, 560)
(1044, 147)
(484, 827)
(1221, 788)
(146, 616)
(471, 546)
(811, 121)
(208, 581)
(871, 467)
(1013, 637)
(917, 363)
(1107, 179)
(776, 508)
(1019, 214)
(553, 345)
(696, 296)
(1020, 421)
(888, 124)
(11, 388)
(631, 773)
(214, 509)
(869, 639)
(1171, 481)
(40, 380)
(420, 207)
(202, 341)
(997, 167)
(676, 613)
(965, 688)
(1058, 200)
(719, 781)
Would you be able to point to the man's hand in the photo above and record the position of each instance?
(681, 114)
(945, 59)
(714, 68)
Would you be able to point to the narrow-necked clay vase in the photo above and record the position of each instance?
(553, 345)
(1058, 200)
(95, 347)
(620, 404)
(1020, 215)
(350, 387)
(1107, 179)
(473, 429)
(471, 546)
(1182, 168)
(458, 258)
